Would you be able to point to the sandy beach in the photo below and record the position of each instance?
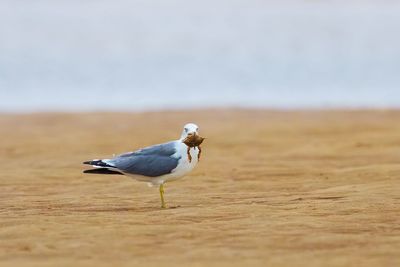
(298, 188)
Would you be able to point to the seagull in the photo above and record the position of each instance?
(156, 164)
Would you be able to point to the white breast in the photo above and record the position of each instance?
(184, 166)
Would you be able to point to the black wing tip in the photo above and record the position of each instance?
(98, 162)
(102, 171)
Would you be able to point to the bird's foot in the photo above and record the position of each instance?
(170, 207)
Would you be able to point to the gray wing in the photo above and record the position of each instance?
(151, 161)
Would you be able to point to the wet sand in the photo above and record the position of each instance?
(301, 188)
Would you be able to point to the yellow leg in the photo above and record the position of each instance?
(162, 196)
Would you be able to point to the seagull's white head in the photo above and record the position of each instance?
(189, 129)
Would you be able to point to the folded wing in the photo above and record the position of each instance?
(152, 161)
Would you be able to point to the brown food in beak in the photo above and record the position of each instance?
(193, 140)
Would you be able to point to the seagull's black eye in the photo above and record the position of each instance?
(197, 129)
(186, 129)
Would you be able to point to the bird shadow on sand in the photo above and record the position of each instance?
(318, 198)
(123, 209)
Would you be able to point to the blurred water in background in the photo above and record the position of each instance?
(163, 54)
